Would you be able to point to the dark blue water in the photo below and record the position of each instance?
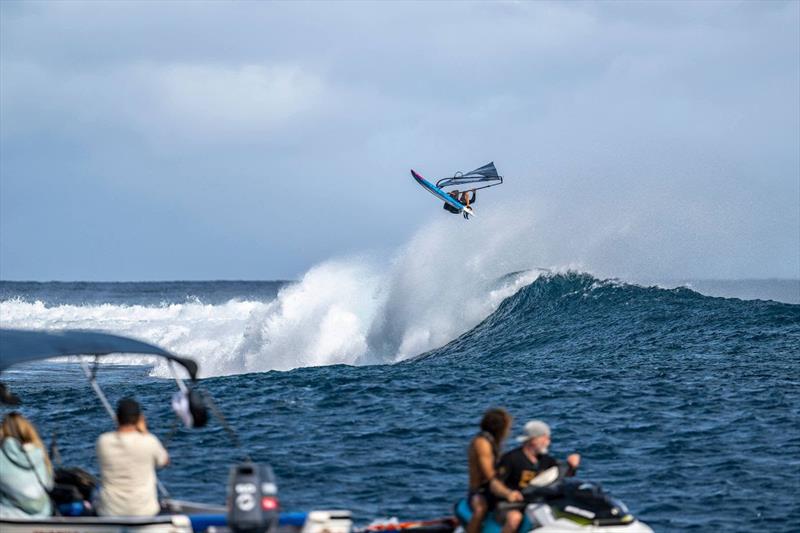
(54, 293)
(686, 407)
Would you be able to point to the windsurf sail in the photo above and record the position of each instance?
(486, 175)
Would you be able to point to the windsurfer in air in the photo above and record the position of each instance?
(454, 195)
(460, 201)
(466, 199)
(462, 197)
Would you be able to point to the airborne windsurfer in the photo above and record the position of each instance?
(466, 199)
(456, 201)
(454, 195)
(462, 197)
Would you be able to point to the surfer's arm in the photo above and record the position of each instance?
(499, 483)
(573, 460)
(500, 489)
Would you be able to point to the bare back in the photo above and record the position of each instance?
(480, 459)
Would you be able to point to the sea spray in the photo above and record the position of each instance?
(205, 332)
(354, 310)
(320, 320)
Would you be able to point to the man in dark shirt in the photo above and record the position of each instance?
(520, 466)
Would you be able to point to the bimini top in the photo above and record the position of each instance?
(21, 346)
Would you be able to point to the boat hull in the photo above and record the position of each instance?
(98, 524)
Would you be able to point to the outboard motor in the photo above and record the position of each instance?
(252, 499)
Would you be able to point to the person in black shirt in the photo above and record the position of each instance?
(517, 468)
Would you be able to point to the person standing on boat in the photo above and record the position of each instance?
(128, 459)
(521, 465)
(26, 474)
(484, 486)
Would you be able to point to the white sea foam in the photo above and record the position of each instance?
(356, 310)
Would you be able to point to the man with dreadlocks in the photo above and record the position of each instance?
(482, 456)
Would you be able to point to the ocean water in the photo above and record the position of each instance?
(363, 391)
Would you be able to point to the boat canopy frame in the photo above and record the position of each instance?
(18, 346)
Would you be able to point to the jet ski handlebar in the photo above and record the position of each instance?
(548, 485)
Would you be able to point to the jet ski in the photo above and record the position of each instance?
(554, 503)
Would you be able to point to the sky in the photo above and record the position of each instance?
(254, 140)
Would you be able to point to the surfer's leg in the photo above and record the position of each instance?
(479, 509)
(512, 521)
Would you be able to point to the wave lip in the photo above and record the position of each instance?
(578, 312)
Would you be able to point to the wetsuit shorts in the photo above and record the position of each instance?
(491, 499)
(483, 490)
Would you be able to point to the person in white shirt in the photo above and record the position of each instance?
(128, 459)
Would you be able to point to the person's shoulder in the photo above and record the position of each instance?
(151, 439)
(10, 443)
(105, 437)
(141, 438)
(482, 441)
(512, 454)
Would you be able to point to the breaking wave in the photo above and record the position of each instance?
(357, 310)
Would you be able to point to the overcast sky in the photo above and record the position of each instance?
(252, 140)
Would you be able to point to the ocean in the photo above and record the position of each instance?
(363, 393)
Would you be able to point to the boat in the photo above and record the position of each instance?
(252, 504)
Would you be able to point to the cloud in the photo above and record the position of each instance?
(671, 126)
(251, 99)
(162, 101)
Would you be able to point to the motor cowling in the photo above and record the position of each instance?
(252, 499)
(587, 500)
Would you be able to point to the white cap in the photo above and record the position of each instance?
(533, 429)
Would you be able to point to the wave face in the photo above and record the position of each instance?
(684, 406)
(579, 314)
